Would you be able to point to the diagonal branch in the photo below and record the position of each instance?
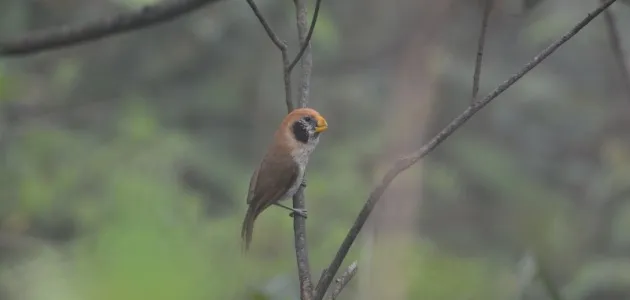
(615, 44)
(282, 46)
(67, 35)
(343, 280)
(480, 45)
(406, 162)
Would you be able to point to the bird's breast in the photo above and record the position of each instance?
(296, 185)
(301, 156)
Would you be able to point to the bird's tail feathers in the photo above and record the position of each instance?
(248, 227)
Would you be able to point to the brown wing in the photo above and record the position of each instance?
(273, 179)
(268, 184)
(252, 185)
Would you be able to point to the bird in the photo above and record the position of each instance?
(281, 171)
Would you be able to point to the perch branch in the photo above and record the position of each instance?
(67, 35)
(343, 280)
(299, 223)
(404, 163)
(615, 44)
(480, 46)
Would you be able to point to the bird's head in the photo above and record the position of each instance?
(304, 125)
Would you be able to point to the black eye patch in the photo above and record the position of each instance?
(300, 132)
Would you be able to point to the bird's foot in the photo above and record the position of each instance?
(303, 184)
(301, 212)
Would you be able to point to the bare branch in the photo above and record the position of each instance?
(480, 45)
(282, 46)
(308, 37)
(67, 35)
(404, 163)
(299, 223)
(287, 80)
(307, 57)
(301, 249)
(343, 280)
(272, 34)
(615, 44)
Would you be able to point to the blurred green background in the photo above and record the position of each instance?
(125, 162)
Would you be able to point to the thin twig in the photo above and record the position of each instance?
(615, 44)
(272, 34)
(308, 37)
(299, 223)
(282, 46)
(343, 280)
(67, 35)
(287, 81)
(404, 163)
(480, 45)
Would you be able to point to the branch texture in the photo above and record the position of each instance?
(404, 163)
(308, 37)
(304, 34)
(307, 57)
(299, 223)
(343, 280)
(67, 35)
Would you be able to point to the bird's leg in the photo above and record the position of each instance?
(301, 212)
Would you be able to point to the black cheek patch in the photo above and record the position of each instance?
(300, 133)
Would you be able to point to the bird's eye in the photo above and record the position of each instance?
(308, 119)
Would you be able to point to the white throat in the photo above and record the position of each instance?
(303, 152)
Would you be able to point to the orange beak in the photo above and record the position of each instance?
(321, 124)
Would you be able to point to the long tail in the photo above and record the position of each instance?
(248, 226)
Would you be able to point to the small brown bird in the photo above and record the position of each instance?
(281, 171)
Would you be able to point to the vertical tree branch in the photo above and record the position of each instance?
(615, 45)
(480, 46)
(307, 56)
(406, 162)
(308, 36)
(304, 34)
(299, 222)
(301, 249)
